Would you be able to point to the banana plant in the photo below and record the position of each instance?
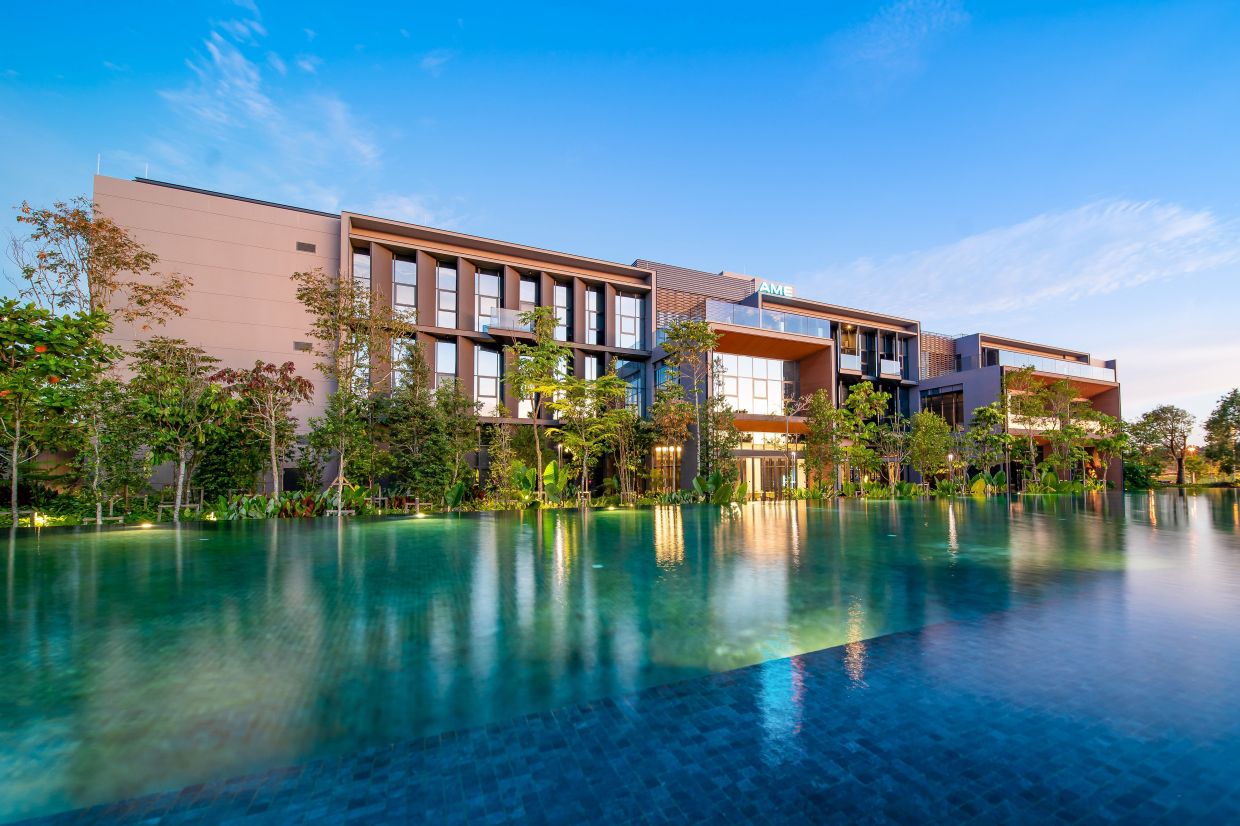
(555, 482)
(455, 495)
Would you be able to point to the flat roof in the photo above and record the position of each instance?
(214, 194)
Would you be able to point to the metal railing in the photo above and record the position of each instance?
(775, 320)
(1043, 364)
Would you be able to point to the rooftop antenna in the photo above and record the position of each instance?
(98, 161)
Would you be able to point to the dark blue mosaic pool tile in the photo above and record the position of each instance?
(1074, 710)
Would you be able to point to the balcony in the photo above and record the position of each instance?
(850, 361)
(1062, 367)
(505, 321)
(889, 368)
(777, 321)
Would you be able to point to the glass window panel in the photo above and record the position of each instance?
(406, 295)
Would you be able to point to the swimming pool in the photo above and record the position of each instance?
(139, 661)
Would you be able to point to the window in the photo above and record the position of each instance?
(629, 320)
(633, 373)
(361, 269)
(487, 380)
(445, 362)
(402, 349)
(757, 385)
(594, 367)
(594, 315)
(487, 286)
(666, 467)
(404, 281)
(948, 402)
(529, 293)
(445, 295)
(562, 299)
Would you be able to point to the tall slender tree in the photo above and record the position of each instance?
(538, 370)
(267, 393)
(690, 346)
(176, 399)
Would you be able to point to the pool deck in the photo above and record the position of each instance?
(1077, 708)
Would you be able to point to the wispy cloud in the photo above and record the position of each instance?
(895, 41)
(119, 68)
(246, 122)
(309, 63)
(413, 209)
(1056, 257)
(433, 62)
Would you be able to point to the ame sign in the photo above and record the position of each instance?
(775, 288)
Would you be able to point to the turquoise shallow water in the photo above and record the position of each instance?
(139, 660)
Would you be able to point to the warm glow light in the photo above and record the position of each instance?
(146, 525)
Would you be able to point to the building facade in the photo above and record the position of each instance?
(467, 294)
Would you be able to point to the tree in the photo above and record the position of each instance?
(108, 442)
(1066, 415)
(671, 415)
(42, 357)
(1223, 434)
(585, 428)
(826, 430)
(501, 460)
(689, 345)
(987, 441)
(1025, 400)
(267, 394)
(75, 258)
(458, 415)
(1166, 428)
(233, 458)
(722, 437)
(176, 399)
(929, 443)
(1111, 440)
(417, 434)
(352, 327)
(864, 405)
(893, 442)
(632, 439)
(537, 371)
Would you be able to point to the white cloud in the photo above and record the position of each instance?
(115, 67)
(433, 62)
(895, 41)
(413, 209)
(309, 63)
(276, 62)
(242, 31)
(310, 34)
(1094, 249)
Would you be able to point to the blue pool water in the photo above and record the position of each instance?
(974, 660)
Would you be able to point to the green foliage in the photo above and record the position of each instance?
(719, 490)
(1140, 471)
(231, 459)
(688, 344)
(827, 428)
(554, 482)
(929, 443)
(1222, 428)
(1166, 428)
(43, 357)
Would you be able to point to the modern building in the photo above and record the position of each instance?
(468, 292)
(963, 373)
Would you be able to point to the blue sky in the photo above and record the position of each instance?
(1059, 171)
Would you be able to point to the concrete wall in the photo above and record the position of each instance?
(240, 255)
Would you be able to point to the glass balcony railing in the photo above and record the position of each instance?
(850, 361)
(889, 367)
(774, 320)
(1044, 364)
(501, 319)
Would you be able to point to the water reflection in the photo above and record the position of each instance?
(141, 660)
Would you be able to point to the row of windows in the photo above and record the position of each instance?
(489, 374)
(489, 292)
(757, 385)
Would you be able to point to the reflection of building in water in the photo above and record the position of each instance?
(669, 537)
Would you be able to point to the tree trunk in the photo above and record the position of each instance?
(13, 454)
(180, 485)
(538, 476)
(1179, 469)
(275, 464)
(340, 488)
(697, 419)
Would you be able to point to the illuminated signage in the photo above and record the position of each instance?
(773, 288)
